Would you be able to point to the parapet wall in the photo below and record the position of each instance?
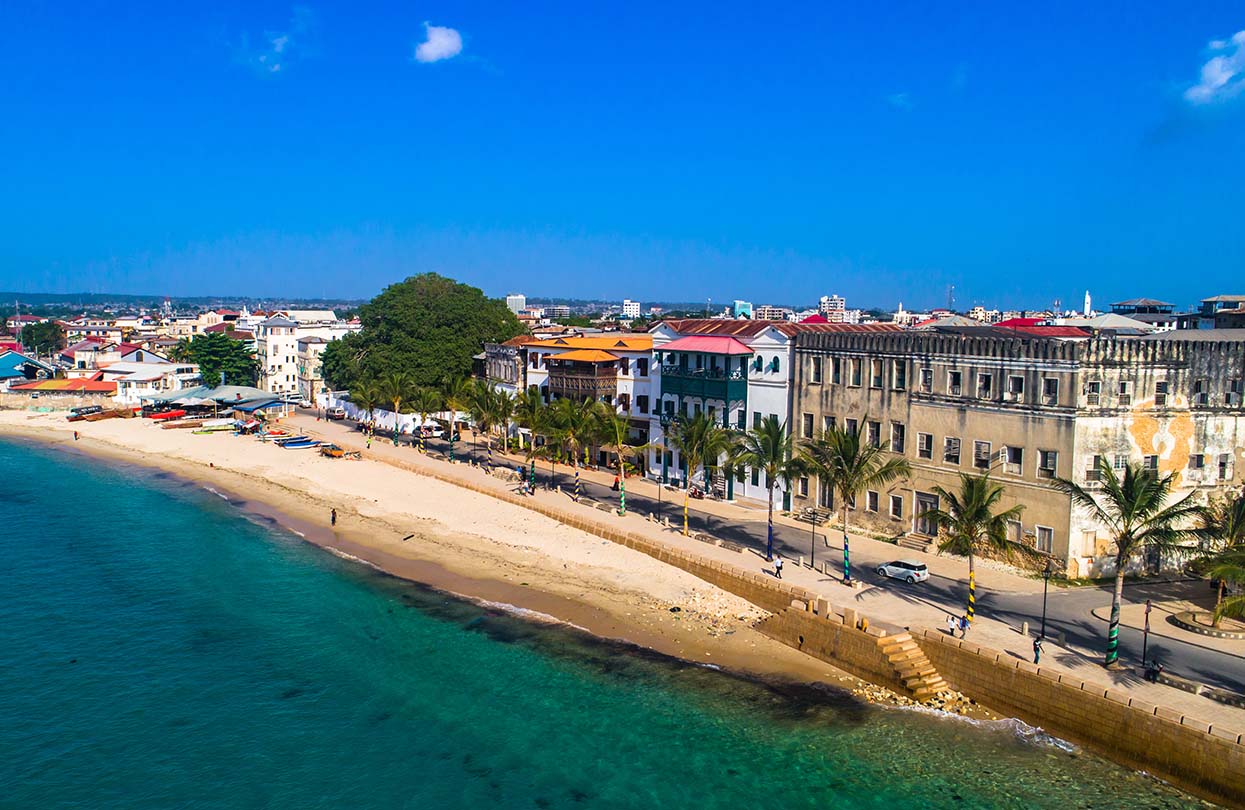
(1190, 752)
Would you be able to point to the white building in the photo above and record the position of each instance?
(277, 348)
(630, 309)
(832, 307)
(767, 312)
(516, 302)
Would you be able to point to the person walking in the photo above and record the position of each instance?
(332, 517)
(369, 441)
(963, 626)
(75, 435)
(952, 623)
(1037, 649)
(778, 567)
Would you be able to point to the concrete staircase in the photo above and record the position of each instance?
(912, 667)
(914, 543)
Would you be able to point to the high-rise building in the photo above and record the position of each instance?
(832, 308)
(516, 302)
(630, 309)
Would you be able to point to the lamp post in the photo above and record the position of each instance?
(812, 546)
(1145, 637)
(1046, 574)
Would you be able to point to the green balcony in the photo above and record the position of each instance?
(707, 383)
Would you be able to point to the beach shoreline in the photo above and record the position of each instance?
(622, 595)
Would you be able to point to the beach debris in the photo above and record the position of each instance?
(676, 609)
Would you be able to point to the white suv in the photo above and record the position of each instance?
(906, 570)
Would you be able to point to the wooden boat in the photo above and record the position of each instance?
(332, 451)
(165, 415)
(300, 444)
(101, 416)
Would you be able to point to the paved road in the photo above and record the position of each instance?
(1068, 610)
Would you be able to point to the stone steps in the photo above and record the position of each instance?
(912, 667)
(914, 543)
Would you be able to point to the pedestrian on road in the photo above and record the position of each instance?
(1037, 649)
(963, 626)
(332, 517)
(369, 441)
(952, 623)
(75, 435)
(778, 567)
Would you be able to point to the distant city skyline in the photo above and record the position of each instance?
(880, 153)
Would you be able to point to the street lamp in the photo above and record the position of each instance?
(1046, 575)
(812, 546)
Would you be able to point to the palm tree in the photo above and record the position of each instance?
(768, 450)
(1135, 512)
(457, 397)
(969, 525)
(425, 401)
(531, 412)
(701, 442)
(1223, 530)
(480, 406)
(1229, 567)
(366, 398)
(576, 422)
(850, 465)
(180, 353)
(503, 413)
(395, 387)
(615, 429)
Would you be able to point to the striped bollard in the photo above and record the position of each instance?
(972, 594)
(847, 561)
(577, 485)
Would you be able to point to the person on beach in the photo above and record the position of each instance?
(75, 435)
(1037, 649)
(778, 567)
(332, 517)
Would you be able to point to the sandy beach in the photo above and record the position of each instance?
(452, 538)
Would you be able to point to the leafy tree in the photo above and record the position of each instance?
(768, 449)
(457, 396)
(427, 325)
(531, 412)
(490, 409)
(43, 338)
(849, 465)
(1223, 530)
(701, 442)
(969, 525)
(216, 353)
(1135, 511)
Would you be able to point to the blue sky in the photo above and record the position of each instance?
(666, 151)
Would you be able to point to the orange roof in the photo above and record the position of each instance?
(586, 356)
(633, 343)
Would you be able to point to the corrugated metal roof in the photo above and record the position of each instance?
(742, 328)
(631, 343)
(709, 344)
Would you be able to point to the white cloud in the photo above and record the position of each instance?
(901, 100)
(281, 47)
(1223, 75)
(439, 43)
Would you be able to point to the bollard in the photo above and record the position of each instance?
(849, 617)
(801, 560)
(1024, 629)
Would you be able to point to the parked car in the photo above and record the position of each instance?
(306, 403)
(337, 412)
(907, 570)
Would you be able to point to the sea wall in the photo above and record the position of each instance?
(1189, 751)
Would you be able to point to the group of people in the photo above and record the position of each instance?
(959, 625)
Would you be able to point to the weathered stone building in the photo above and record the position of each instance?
(1028, 409)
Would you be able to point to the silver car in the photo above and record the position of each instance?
(907, 570)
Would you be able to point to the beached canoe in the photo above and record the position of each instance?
(160, 417)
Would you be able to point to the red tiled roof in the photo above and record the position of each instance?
(126, 348)
(816, 317)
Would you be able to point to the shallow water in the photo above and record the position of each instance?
(158, 648)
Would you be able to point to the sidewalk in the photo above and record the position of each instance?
(880, 604)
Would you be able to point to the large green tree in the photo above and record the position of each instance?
(216, 352)
(428, 326)
(43, 338)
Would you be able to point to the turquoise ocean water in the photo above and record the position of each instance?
(160, 649)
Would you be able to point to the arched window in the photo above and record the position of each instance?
(774, 365)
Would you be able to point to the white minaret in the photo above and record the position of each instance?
(1086, 313)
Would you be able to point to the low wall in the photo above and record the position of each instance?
(829, 639)
(1190, 752)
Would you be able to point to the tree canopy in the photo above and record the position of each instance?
(43, 338)
(216, 352)
(428, 326)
